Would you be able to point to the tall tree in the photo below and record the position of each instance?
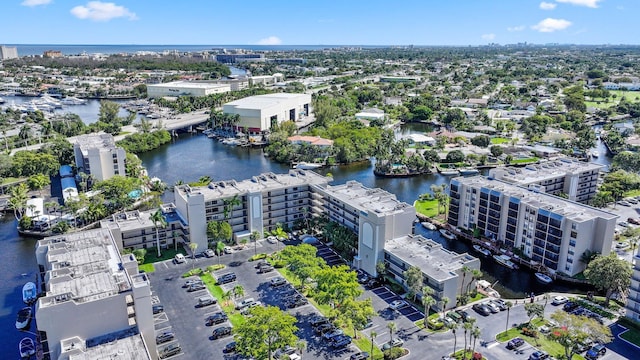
(392, 328)
(534, 310)
(609, 274)
(453, 326)
(508, 304)
(158, 222)
(414, 280)
(574, 330)
(270, 328)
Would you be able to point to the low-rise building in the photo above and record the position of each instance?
(97, 155)
(550, 230)
(441, 268)
(310, 140)
(261, 112)
(90, 291)
(633, 300)
(190, 88)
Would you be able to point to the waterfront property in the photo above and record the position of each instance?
(633, 301)
(97, 155)
(264, 201)
(186, 88)
(95, 300)
(136, 230)
(441, 268)
(550, 230)
(577, 179)
(261, 112)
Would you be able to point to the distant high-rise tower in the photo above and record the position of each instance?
(8, 52)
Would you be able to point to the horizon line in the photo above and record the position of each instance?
(341, 45)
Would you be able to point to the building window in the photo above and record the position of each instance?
(572, 242)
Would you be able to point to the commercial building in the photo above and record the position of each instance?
(576, 179)
(95, 300)
(136, 229)
(236, 58)
(261, 112)
(266, 79)
(97, 155)
(187, 88)
(8, 52)
(373, 214)
(52, 54)
(550, 230)
(264, 201)
(633, 300)
(441, 268)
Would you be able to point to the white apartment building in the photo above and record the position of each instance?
(135, 229)
(8, 52)
(441, 268)
(97, 155)
(577, 179)
(265, 200)
(375, 215)
(261, 112)
(91, 293)
(550, 230)
(633, 300)
(186, 88)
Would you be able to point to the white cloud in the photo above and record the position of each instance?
(102, 11)
(32, 3)
(271, 40)
(551, 25)
(488, 36)
(547, 6)
(516, 28)
(587, 3)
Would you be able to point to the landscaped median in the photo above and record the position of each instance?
(235, 318)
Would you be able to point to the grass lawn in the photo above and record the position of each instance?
(10, 180)
(632, 335)
(235, 318)
(427, 208)
(524, 161)
(499, 140)
(152, 255)
(632, 193)
(148, 268)
(542, 342)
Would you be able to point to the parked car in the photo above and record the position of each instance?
(164, 337)
(631, 200)
(179, 258)
(196, 287)
(340, 341)
(265, 269)
(278, 281)
(634, 221)
(398, 304)
(396, 342)
(623, 224)
(297, 303)
(464, 315)
(206, 301)
(319, 320)
(373, 283)
(499, 303)
(208, 253)
(170, 350)
(228, 250)
(192, 282)
(559, 300)
(492, 307)
(570, 306)
(230, 347)
(216, 318)
(221, 332)
(157, 308)
(330, 334)
(287, 350)
(359, 356)
(481, 309)
(538, 355)
(244, 303)
(321, 329)
(624, 203)
(595, 352)
(262, 263)
(227, 278)
(515, 343)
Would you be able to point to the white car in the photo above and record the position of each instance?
(559, 300)
(398, 304)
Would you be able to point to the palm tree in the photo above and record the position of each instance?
(427, 301)
(219, 250)
(158, 221)
(475, 333)
(465, 269)
(193, 246)
(301, 345)
(229, 204)
(392, 327)
(546, 300)
(238, 291)
(508, 304)
(467, 327)
(453, 326)
(226, 296)
(373, 336)
(18, 200)
(444, 301)
(476, 274)
(254, 237)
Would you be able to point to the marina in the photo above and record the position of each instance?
(481, 250)
(505, 261)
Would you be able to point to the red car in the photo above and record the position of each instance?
(633, 221)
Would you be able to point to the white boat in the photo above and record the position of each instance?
(543, 278)
(449, 172)
(307, 166)
(481, 250)
(447, 234)
(29, 293)
(469, 171)
(595, 153)
(24, 318)
(428, 225)
(70, 100)
(505, 260)
(27, 348)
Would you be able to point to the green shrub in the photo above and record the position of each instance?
(590, 306)
(278, 264)
(258, 257)
(529, 332)
(435, 324)
(192, 272)
(215, 267)
(394, 353)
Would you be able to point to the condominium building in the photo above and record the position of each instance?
(633, 300)
(264, 201)
(550, 230)
(576, 179)
(8, 52)
(136, 229)
(373, 214)
(97, 155)
(441, 268)
(91, 293)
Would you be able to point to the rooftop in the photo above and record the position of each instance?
(190, 84)
(83, 266)
(135, 220)
(262, 182)
(266, 101)
(124, 345)
(435, 261)
(97, 141)
(366, 199)
(571, 210)
(532, 174)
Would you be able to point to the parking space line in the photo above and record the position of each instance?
(163, 329)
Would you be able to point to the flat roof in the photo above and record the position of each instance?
(365, 199)
(266, 101)
(97, 141)
(262, 182)
(570, 209)
(125, 348)
(535, 173)
(135, 220)
(188, 84)
(86, 267)
(434, 260)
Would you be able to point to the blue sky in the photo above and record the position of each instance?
(319, 22)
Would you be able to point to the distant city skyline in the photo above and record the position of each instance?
(288, 22)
